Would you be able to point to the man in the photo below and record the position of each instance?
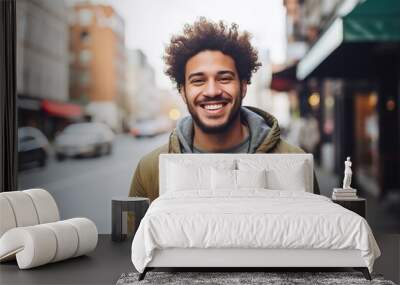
(212, 65)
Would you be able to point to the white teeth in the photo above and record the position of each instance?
(213, 107)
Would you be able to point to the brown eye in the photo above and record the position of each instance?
(225, 79)
(197, 81)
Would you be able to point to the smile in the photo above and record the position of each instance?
(213, 106)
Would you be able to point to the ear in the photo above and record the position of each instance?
(182, 93)
(243, 85)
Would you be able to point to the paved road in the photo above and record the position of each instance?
(84, 187)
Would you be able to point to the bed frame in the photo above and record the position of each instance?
(246, 258)
(243, 259)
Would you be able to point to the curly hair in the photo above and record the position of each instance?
(208, 35)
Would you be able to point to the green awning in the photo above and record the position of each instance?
(351, 37)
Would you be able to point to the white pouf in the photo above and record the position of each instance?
(31, 233)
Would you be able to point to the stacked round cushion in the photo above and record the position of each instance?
(31, 230)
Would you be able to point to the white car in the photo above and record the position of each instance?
(150, 128)
(84, 139)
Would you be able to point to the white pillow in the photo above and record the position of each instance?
(292, 175)
(228, 179)
(185, 174)
(223, 179)
(181, 177)
(251, 178)
(296, 181)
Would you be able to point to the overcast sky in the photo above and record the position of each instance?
(150, 24)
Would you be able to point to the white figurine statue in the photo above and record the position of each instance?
(347, 174)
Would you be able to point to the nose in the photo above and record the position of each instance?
(212, 89)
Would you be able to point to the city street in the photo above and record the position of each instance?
(83, 187)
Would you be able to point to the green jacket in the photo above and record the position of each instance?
(145, 179)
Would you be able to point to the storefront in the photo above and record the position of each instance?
(47, 115)
(305, 110)
(359, 53)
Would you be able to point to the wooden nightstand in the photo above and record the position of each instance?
(358, 205)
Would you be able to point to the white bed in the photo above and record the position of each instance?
(202, 220)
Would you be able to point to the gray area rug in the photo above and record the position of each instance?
(228, 278)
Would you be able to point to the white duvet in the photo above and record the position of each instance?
(253, 218)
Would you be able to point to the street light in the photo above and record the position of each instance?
(314, 100)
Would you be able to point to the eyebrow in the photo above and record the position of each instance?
(222, 72)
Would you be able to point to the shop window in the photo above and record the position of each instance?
(367, 136)
(85, 56)
(85, 37)
(85, 17)
(84, 78)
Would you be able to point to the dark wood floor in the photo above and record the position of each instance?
(389, 262)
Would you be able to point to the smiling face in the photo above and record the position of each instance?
(213, 91)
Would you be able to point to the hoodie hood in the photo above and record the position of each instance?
(263, 127)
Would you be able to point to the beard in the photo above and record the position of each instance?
(222, 128)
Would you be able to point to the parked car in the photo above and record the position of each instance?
(151, 128)
(84, 139)
(33, 148)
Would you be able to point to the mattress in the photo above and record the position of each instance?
(250, 219)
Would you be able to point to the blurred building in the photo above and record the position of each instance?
(97, 61)
(304, 21)
(144, 97)
(349, 80)
(42, 66)
(149, 105)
